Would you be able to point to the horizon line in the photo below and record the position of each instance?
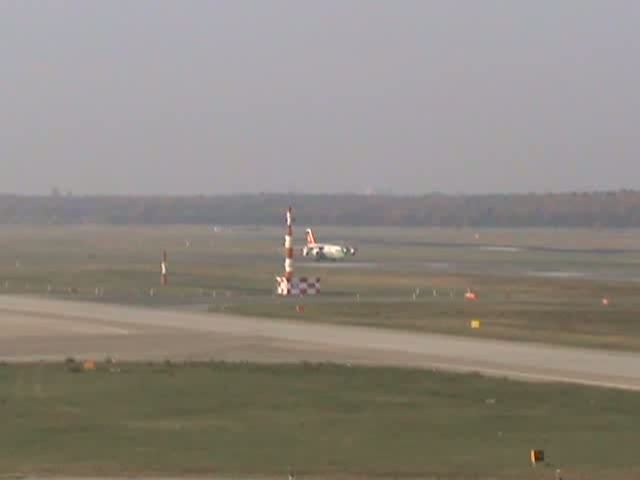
(70, 194)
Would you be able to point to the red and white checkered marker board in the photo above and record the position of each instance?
(298, 286)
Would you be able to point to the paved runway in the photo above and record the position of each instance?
(33, 329)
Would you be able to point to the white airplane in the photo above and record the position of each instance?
(325, 251)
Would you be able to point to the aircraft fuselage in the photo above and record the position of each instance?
(323, 251)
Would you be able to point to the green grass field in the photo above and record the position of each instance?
(328, 421)
(233, 271)
(323, 421)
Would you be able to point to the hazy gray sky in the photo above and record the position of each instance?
(325, 96)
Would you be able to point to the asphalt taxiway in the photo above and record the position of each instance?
(40, 329)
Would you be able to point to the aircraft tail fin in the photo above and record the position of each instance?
(311, 238)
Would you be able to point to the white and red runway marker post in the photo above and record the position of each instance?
(288, 284)
(164, 279)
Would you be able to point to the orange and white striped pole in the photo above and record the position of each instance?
(288, 247)
(163, 269)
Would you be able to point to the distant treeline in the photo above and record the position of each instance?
(598, 209)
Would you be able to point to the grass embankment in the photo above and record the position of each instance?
(327, 421)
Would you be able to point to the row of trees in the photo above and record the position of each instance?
(597, 209)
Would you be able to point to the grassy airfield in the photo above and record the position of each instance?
(327, 421)
(322, 421)
(533, 284)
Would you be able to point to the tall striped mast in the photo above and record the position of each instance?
(288, 247)
(163, 269)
